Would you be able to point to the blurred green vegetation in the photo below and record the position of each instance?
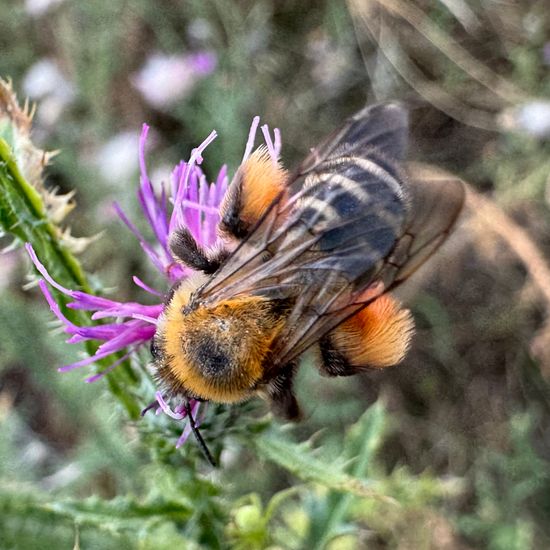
(449, 450)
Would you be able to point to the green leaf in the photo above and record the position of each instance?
(300, 460)
(123, 519)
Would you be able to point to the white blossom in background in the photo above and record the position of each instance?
(117, 160)
(330, 65)
(45, 78)
(199, 30)
(532, 118)
(162, 174)
(165, 79)
(10, 260)
(37, 8)
(45, 82)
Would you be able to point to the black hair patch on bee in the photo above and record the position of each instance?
(281, 395)
(155, 351)
(282, 306)
(231, 222)
(165, 378)
(334, 363)
(212, 359)
(186, 249)
(170, 294)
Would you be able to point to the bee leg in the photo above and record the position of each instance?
(279, 391)
(186, 249)
(333, 362)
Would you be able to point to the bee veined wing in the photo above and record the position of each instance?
(383, 127)
(332, 194)
(348, 232)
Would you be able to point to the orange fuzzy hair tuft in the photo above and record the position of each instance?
(378, 336)
(263, 180)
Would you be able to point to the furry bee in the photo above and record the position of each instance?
(310, 262)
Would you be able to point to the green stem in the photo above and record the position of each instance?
(36, 206)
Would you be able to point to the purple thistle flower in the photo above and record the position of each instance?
(190, 202)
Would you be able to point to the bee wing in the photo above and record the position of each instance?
(383, 127)
(436, 200)
(334, 194)
(331, 248)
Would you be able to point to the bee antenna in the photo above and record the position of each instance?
(198, 435)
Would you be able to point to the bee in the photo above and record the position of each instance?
(310, 261)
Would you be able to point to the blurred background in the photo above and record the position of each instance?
(467, 433)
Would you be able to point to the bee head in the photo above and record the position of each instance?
(215, 353)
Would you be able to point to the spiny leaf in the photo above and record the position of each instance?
(301, 461)
(124, 518)
(121, 510)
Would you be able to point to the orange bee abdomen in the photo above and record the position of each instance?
(378, 336)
